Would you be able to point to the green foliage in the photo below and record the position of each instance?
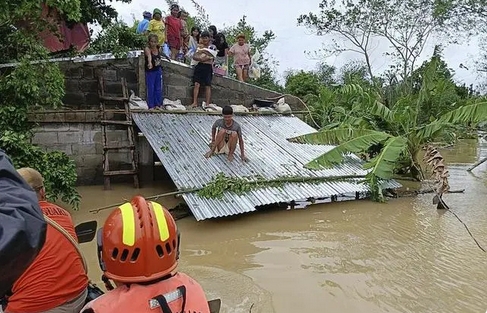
(240, 185)
(390, 136)
(302, 84)
(117, 38)
(98, 11)
(58, 170)
(36, 83)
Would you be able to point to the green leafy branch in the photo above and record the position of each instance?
(240, 185)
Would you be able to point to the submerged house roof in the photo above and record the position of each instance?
(181, 140)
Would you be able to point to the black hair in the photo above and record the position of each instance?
(213, 29)
(204, 33)
(180, 13)
(227, 110)
(220, 37)
(199, 33)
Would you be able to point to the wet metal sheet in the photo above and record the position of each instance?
(181, 140)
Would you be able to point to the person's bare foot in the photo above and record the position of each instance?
(194, 105)
(230, 157)
(208, 154)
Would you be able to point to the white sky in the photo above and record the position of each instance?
(280, 16)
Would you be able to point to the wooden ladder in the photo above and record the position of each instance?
(106, 121)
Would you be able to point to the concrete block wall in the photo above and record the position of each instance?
(82, 142)
(76, 130)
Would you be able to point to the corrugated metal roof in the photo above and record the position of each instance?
(184, 139)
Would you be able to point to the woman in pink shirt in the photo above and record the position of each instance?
(241, 58)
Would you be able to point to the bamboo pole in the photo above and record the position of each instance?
(155, 197)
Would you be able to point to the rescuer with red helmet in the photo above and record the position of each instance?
(138, 248)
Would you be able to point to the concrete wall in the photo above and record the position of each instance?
(75, 129)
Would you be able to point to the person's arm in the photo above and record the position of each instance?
(231, 52)
(201, 57)
(148, 54)
(165, 29)
(22, 225)
(149, 28)
(213, 133)
(250, 58)
(241, 145)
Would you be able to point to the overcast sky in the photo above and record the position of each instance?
(292, 41)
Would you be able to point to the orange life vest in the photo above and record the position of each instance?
(177, 291)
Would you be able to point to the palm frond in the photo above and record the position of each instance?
(380, 110)
(472, 113)
(332, 136)
(348, 140)
(384, 163)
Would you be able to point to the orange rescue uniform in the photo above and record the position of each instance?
(138, 298)
(57, 274)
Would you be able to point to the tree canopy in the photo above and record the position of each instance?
(30, 85)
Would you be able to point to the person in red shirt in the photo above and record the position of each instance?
(138, 248)
(56, 280)
(174, 28)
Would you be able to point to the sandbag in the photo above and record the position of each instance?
(282, 107)
(266, 110)
(211, 107)
(171, 105)
(239, 108)
(137, 103)
(22, 225)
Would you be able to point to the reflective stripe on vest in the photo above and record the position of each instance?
(170, 297)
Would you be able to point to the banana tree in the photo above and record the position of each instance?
(398, 132)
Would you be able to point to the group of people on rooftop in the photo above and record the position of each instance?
(207, 52)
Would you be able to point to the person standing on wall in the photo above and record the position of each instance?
(193, 44)
(144, 24)
(241, 58)
(221, 60)
(183, 15)
(203, 71)
(174, 28)
(153, 72)
(157, 27)
(56, 281)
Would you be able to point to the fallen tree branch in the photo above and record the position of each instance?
(425, 191)
(258, 184)
(476, 164)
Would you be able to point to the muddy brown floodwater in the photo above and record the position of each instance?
(358, 256)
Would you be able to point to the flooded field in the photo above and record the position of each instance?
(349, 257)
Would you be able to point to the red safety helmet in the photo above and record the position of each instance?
(139, 242)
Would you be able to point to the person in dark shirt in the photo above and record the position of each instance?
(153, 72)
(225, 133)
(22, 226)
(221, 45)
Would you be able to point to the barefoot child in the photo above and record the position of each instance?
(225, 133)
